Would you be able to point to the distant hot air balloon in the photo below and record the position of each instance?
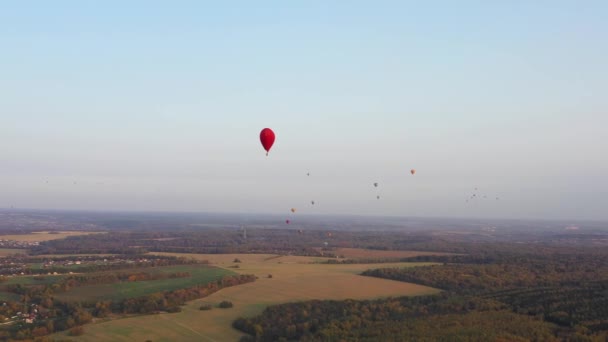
(376, 185)
(308, 173)
(267, 139)
(328, 234)
(287, 221)
(312, 202)
(413, 171)
(293, 210)
(378, 197)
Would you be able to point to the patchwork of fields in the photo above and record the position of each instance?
(293, 279)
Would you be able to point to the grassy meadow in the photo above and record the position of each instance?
(293, 279)
(199, 274)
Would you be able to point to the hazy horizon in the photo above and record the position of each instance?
(145, 106)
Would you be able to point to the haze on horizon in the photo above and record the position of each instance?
(158, 106)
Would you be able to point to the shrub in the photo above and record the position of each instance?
(226, 304)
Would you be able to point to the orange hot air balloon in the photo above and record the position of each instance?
(267, 139)
(413, 171)
(293, 210)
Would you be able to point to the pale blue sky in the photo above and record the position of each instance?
(151, 105)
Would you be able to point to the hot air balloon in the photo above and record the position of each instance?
(413, 171)
(376, 185)
(267, 139)
(328, 234)
(287, 221)
(293, 210)
(377, 197)
(312, 202)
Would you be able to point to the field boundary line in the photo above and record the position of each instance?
(187, 327)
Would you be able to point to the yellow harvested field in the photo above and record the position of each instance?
(293, 279)
(43, 236)
(355, 253)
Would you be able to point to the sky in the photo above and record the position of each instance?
(158, 105)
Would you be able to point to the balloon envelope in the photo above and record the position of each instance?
(293, 210)
(412, 171)
(267, 139)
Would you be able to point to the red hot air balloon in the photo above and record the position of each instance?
(413, 171)
(267, 139)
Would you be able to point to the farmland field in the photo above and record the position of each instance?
(199, 274)
(33, 280)
(292, 280)
(44, 236)
(9, 251)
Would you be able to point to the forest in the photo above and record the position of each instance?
(513, 293)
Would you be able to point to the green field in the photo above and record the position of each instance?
(293, 279)
(29, 280)
(199, 274)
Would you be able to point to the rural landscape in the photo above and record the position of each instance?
(316, 171)
(194, 277)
